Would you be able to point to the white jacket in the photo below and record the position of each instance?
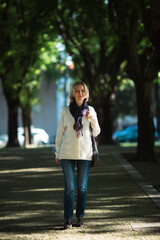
(68, 146)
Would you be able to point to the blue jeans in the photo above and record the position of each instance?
(68, 167)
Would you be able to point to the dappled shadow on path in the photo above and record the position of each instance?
(31, 190)
(115, 201)
(31, 195)
(32, 229)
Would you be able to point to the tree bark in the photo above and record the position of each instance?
(146, 130)
(27, 121)
(12, 122)
(157, 99)
(105, 115)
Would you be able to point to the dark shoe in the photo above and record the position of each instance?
(68, 224)
(79, 222)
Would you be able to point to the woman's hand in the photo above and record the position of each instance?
(88, 115)
(58, 161)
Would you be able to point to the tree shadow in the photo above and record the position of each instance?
(32, 229)
(31, 195)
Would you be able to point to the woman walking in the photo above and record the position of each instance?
(74, 148)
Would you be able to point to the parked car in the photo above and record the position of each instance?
(129, 134)
(3, 139)
(39, 137)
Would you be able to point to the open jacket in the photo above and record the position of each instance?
(68, 146)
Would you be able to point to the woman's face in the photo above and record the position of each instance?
(80, 94)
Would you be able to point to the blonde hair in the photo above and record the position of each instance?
(73, 90)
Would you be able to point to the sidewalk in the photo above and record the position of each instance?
(31, 200)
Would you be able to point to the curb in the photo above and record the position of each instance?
(153, 194)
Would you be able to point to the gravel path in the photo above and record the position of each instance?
(31, 200)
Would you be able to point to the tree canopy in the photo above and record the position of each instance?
(107, 40)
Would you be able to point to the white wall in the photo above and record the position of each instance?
(43, 116)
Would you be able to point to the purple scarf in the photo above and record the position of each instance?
(78, 114)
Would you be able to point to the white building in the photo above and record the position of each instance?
(43, 116)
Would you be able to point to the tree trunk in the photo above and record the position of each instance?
(27, 121)
(157, 98)
(12, 122)
(146, 130)
(105, 116)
